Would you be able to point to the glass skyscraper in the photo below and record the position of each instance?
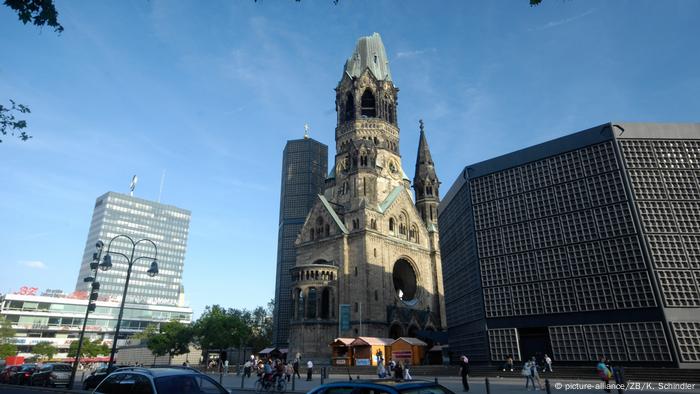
(167, 226)
(304, 167)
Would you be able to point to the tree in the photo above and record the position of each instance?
(173, 338)
(6, 333)
(44, 349)
(147, 332)
(10, 124)
(39, 12)
(89, 348)
(220, 328)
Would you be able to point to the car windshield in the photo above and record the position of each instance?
(61, 367)
(28, 368)
(179, 384)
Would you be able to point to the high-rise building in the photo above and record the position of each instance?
(368, 261)
(304, 168)
(582, 246)
(167, 226)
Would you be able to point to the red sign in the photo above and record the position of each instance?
(26, 290)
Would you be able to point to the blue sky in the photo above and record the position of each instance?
(210, 91)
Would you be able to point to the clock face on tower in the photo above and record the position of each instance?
(393, 168)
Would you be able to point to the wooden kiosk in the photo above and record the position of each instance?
(341, 352)
(408, 350)
(365, 350)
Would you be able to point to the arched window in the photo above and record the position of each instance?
(311, 234)
(391, 224)
(300, 304)
(368, 107)
(325, 303)
(349, 107)
(311, 309)
(390, 118)
(328, 230)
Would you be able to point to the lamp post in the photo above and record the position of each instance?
(95, 286)
(152, 271)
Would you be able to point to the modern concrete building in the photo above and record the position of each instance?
(582, 246)
(167, 226)
(58, 319)
(367, 261)
(304, 169)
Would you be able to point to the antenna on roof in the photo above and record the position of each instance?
(306, 131)
(132, 185)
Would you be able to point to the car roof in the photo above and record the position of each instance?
(383, 382)
(157, 372)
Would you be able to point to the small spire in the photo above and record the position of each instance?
(306, 131)
(421, 125)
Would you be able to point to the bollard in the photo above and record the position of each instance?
(488, 386)
(436, 382)
(294, 378)
(242, 379)
(546, 386)
(323, 373)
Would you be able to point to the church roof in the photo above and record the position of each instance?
(425, 168)
(384, 205)
(369, 53)
(334, 215)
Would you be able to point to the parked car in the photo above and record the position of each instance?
(383, 386)
(51, 375)
(98, 375)
(170, 380)
(23, 374)
(7, 373)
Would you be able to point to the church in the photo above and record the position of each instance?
(368, 245)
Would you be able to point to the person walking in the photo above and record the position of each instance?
(548, 363)
(381, 371)
(309, 370)
(535, 375)
(295, 365)
(406, 372)
(464, 371)
(398, 372)
(604, 372)
(527, 373)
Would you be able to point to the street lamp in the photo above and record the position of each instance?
(94, 287)
(107, 264)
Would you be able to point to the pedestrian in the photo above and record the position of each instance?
(398, 372)
(548, 363)
(295, 366)
(464, 371)
(527, 373)
(309, 370)
(604, 372)
(392, 365)
(406, 372)
(535, 376)
(381, 371)
(508, 364)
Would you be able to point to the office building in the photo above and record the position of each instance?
(582, 246)
(304, 168)
(167, 226)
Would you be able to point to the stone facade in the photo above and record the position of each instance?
(365, 242)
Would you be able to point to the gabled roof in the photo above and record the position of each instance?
(411, 341)
(371, 341)
(369, 53)
(384, 205)
(343, 341)
(334, 215)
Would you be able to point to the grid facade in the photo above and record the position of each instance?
(580, 228)
(304, 168)
(167, 226)
(601, 227)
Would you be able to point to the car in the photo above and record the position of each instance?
(98, 375)
(167, 380)
(381, 386)
(8, 372)
(24, 373)
(51, 375)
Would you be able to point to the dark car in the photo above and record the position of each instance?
(23, 374)
(98, 375)
(8, 372)
(171, 380)
(381, 387)
(51, 375)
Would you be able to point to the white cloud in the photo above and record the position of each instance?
(417, 52)
(34, 264)
(562, 21)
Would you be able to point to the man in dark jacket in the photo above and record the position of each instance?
(464, 371)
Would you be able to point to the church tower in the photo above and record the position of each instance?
(426, 183)
(365, 244)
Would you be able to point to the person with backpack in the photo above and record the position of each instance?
(527, 373)
(604, 373)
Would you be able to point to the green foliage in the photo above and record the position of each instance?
(44, 349)
(6, 331)
(10, 124)
(146, 333)
(173, 338)
(39, 12)
(7, 349)
(89, 348)
(220, 328)
(535, 2)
